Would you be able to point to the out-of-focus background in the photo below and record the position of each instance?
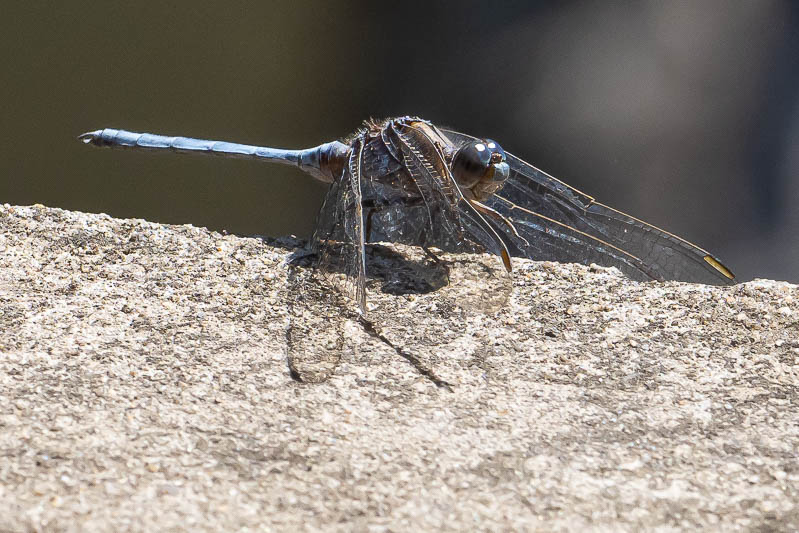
(684, 114)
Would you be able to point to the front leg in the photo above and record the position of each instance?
(496, 215)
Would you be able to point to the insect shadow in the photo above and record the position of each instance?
(394, 269)
(320, 308)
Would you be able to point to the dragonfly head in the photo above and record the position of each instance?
(481, 167)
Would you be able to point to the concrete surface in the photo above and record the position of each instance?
(168, 378)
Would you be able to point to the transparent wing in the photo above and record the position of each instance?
(353, 225)
(339, 240)
(559, 223)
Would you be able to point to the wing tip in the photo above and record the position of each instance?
(506, 260)
(715, 263)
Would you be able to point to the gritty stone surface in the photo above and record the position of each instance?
(147, 383)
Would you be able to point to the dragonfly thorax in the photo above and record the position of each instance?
(480, 167)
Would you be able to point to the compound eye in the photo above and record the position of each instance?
(476, 161)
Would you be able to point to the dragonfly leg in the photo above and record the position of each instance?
(432, 255)
(369, 212)
(437, 261)
(496, 215)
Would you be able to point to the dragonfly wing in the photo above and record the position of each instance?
(339, 240)
(353, 226)
(560, 223)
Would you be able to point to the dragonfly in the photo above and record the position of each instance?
(405, 180)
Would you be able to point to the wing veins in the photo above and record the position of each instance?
(356, 159)
(563, 225)
(450, 181)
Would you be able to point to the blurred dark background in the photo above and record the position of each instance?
(685, 114)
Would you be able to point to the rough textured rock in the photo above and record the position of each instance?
(145, 384)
